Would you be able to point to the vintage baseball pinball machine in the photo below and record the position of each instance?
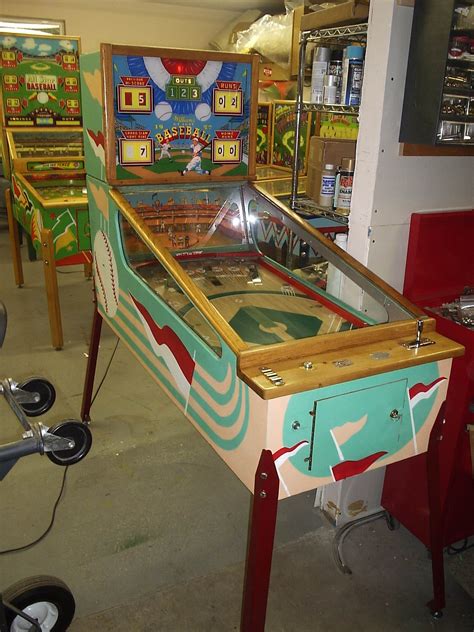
(41, 105)
(220, 293)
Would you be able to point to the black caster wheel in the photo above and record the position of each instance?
(437, 614)
(392, 523)
(46, 392)
(79, 433)
(46, 599)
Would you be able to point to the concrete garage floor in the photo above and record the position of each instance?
(151, 532)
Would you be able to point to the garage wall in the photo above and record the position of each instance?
(133, 22)
(388, 187)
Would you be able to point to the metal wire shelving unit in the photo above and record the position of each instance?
(341, 35)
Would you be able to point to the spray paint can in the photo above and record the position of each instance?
(330, 89)
(321, 59)
(335, 69)
(352, 75)
(343, 188)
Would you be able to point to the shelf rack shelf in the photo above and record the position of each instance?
(455, 93)
(335, 108)
(331, 35)
(307, 208)
(341, 35)
(457, 118)
(462, 32)
(465, 64)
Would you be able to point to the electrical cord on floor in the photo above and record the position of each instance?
(105, 372)
(456, 550)
(51, 523)
(63, 482)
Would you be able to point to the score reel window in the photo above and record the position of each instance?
(183, 88)
(227, 102)
(226, 150)
(134, 99)
(146, 266)
(136, 152)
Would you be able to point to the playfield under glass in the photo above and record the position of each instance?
(59, 187)
(269, 278)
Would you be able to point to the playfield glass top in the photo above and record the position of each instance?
(40, 144)
(270, 279)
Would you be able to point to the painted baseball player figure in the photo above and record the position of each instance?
(165, 150)
(195, 163)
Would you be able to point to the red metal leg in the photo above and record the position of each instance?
(91, 365)
(436, 513)
(260, 545)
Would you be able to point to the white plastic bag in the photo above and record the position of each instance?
(270, 36)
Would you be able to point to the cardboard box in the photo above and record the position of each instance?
(351, 12)
(323, 151)
(352, 498)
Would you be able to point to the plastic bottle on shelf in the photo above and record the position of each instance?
(334, 276)
(321, 59)
(352, 75)
(328, 185)
(343, 188)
